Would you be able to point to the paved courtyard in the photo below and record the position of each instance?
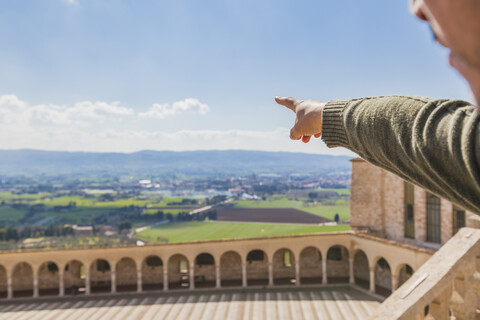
(331, 302)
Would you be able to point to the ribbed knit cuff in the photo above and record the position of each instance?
(333, 127)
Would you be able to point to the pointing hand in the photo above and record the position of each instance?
(308, 121)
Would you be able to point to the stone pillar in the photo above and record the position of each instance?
(35, 285)
(192, 277)
(9, 288)
(324, 271)
(139, 280)
(297, 273)
(217, 277)
(114, 281)
(87, 282)
(244, 274)
(350, 269)
(394, 282)
(61, 284)
(372, 280)
(165, 278)
(270, 273)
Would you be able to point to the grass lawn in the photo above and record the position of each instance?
(320, 210)
(9, 214)
(198, 231)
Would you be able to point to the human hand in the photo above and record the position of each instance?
(308, 121)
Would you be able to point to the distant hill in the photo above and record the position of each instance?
(14, 162)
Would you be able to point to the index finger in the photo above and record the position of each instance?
(289, 102)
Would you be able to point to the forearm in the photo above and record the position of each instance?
(432, 143)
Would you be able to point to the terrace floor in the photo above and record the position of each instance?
(312, 302)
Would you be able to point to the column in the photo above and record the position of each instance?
(244, 274)
(270, 274)
(165, 278)
(87, 282)
(324, 271)
(9, 288)
(394, 282)
(114, 281)
(35, 285)
(372, 280)
(297, 273)
(350, 266)
(192, 277)
(139, 280)
(217, 277)
(61, 284)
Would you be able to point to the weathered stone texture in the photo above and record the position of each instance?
(394, 206)
(310, 263)
(231, 266)
(360, 266)
(98, 277)
(72, 275)
(383, 276)
(280, 270)
(48, 279)
(126, 272)
(339, 268)
(22, 277)
(174, 273)
(366, 196)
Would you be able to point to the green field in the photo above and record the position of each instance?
(203, 231)
(320, 210)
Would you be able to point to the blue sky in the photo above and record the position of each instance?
(184, 75)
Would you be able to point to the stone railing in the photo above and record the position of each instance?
(447, 286)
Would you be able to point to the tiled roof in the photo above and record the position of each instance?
(331, 302)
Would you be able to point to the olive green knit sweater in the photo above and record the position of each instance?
(430, 142)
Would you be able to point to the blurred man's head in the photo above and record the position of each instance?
(456, 25)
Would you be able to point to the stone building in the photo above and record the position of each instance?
(405, 244)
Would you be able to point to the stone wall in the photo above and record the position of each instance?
(174, 274)
(383, 276)
(73, 276)
(280, 270)
(366, 196)
(310, 263)
(22, 277)
(126, 272)
(231, 266)
(152, 274)
(339, 268)
(100, 278)
(3, 279)
(360, 266)
(377, 203)
(48, 279)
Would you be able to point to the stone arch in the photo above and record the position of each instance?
(126, 275)
(22, 280)
(361, 269)
(230, 269)
(205, 273)
(257, 268)
(338, 266)
(405, 271)
(383, 277)
(3, 282)
(100, 276)
(310, 266)
(178, 272)
(283, 262)
(74, 277)
(48, 279)
(152, 273)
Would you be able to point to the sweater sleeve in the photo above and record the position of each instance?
(432, 143)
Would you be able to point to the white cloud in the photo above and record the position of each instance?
(189, 105)
(110, 127)
(15, 111)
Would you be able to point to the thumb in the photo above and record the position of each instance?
(289, 102)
